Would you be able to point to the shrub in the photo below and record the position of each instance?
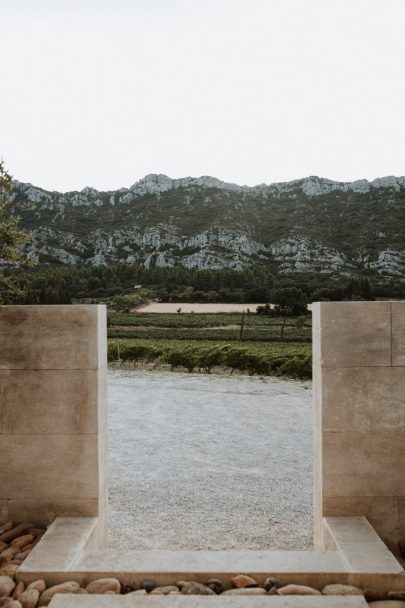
(179, 357)
(297, 367)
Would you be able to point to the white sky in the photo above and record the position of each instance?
(102, 92)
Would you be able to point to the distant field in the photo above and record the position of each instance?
(172, 307)
(208, 342)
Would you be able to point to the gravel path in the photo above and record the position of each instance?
(209, 462)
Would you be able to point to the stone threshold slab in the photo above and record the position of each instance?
(126, 601)
(361, 548)
(68, 551)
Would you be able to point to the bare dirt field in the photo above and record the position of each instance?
(209, 462)
(204, 308)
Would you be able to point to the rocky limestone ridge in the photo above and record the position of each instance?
(158, 183)
(306, 225)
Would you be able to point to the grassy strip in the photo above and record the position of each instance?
(292, 360)
(196, 320)
(255, 334)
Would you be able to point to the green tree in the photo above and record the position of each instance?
(124, 303)
(11, 235)
(365, 290)
(289, 301)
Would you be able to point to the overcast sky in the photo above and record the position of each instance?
(103, 92)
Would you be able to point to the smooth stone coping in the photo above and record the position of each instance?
(269, 601)
(68, 552)
(206, 562)
(361, 548)
(61, 546)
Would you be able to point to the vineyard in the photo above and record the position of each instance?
(199, 320)
(208, 343)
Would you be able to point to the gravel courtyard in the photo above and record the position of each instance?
(209, 462)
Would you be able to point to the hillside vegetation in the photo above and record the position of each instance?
(312, 225)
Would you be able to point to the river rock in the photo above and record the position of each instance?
(148, 584)
(102, 585)
(18, 590)
(372, 595)
(242, 580)
(387, 604)
(138, 592)
(193, 588)
(7, 537)
(8, 570)
(246, 591)
(36, 532)
(339, 589)
(215, 584)
(22, 556)
(165, 590)
(271, 582)
(21, 541)
(40, 584)
(29, 599)
(6, 586)
(14, 604)
(47, 595)
(298, 590)
(9, 553)
(8, 525)
(396, 595)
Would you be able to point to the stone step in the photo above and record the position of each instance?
(195, 601)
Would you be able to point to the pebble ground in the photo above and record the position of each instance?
(209, 462)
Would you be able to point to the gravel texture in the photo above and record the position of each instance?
(209, 462)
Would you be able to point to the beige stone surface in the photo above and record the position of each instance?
(362, 464)
(60, 548)
(58, 467)
(52, 337)
(65, 553)
(359, 413)
(398, 333)
(48, 402)
(381, 512)
(102, 451)
(318, 458)
(361, 547)
(354, 334)
(53, 412)
(178, 601)
(44, 512)
(365, 399)
(401, 516)
(316, 333)
(3, 511)
(231, 562)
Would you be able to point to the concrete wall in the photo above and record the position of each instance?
(359, 401)
(53, 412)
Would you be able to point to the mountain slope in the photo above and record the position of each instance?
(305, 225)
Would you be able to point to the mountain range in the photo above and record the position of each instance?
(306, 225)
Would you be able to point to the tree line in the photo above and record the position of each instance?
(66, 284)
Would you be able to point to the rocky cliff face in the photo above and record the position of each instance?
(305, 225)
